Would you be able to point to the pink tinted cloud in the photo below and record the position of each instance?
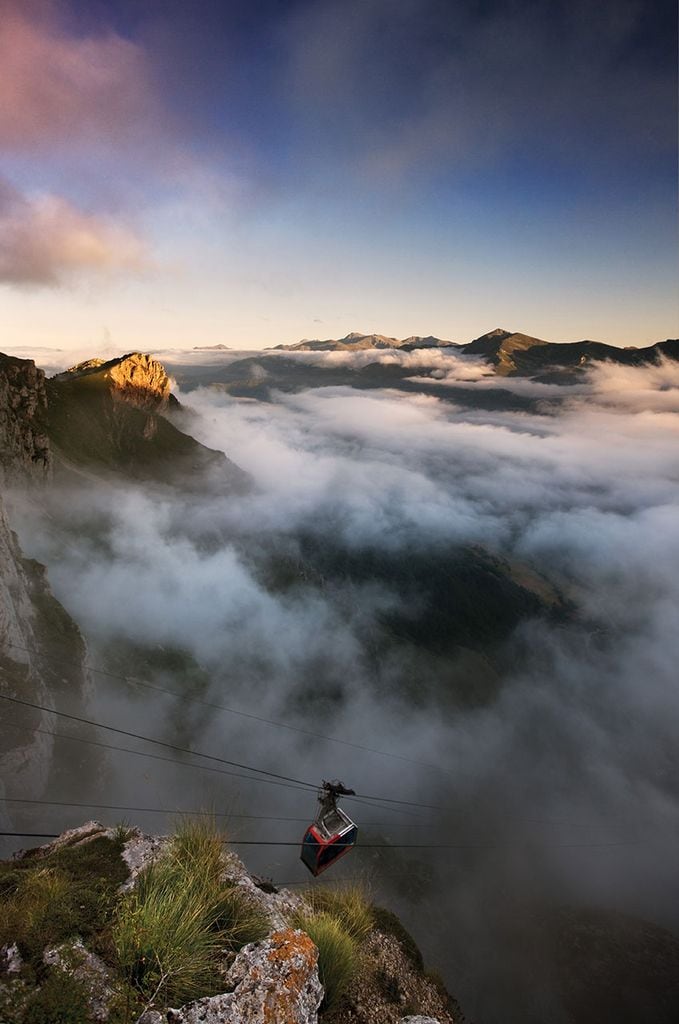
(46, 241)
(57, 89)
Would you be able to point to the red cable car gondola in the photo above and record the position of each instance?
(332, 834)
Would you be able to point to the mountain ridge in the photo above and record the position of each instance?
(114, 417)
(511, 353)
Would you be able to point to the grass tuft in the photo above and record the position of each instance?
(51, 899)
(338, 921)
(172, 928)
(338, 954)
(349, 904)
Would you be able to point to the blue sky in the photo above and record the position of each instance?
(254, 173)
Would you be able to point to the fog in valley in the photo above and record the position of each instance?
(540, 753)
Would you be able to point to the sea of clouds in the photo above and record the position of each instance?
(563, 788)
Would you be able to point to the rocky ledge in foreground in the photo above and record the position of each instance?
(85, 938)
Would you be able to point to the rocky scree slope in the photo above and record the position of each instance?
(68, 965)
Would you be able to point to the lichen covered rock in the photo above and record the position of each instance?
(271, 982)
(139, 852)
(279, 905)
(72, 959)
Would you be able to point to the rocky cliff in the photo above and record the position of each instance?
(24, 447)
(41, 650)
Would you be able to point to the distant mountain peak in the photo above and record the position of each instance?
(355, 341)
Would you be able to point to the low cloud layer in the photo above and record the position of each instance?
(562, 781)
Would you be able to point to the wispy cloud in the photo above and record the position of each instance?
(46, 240)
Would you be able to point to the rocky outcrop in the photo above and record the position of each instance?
(389, 983)
(24, 447)
(274, 980)
(270, 982)
(112, 419)
(137, 379)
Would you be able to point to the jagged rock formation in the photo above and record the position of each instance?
(112, 418)
(137, 379)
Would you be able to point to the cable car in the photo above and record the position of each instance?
(332, 834)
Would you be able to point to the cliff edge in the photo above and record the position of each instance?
(174, 930)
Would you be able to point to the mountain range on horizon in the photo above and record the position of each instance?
(509, 351)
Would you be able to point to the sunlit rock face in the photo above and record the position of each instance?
(110, 418)
(137, 379)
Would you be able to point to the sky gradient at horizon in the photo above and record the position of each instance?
(253, 173)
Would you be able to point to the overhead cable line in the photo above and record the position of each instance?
(366, 800)
(383, 846)
(183, 810)
(185, 764)
(160, 743)
(286, 779)
(357, 798)
(156, 757)
(134, 680)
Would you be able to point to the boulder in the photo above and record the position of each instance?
(272, 982)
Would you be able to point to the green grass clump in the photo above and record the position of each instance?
(171, 928)
(338, 921)
(349, 904)
(60, 1000)
(338, 954)
(72, 891)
